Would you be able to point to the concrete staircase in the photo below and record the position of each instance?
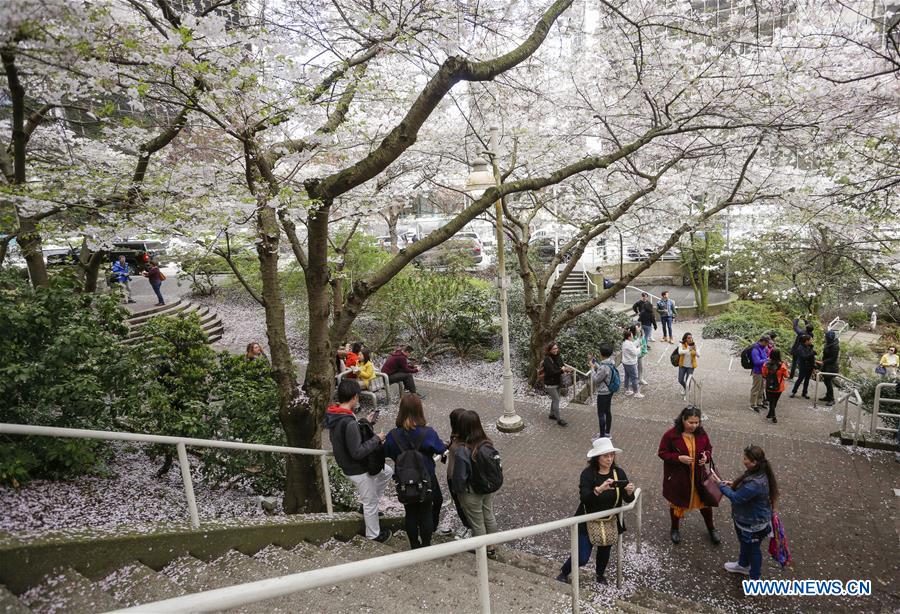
(576, 284)
(211, 323)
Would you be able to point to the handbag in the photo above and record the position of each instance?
(605, 532)
(162, 276)
(879, 370)
(711, 486)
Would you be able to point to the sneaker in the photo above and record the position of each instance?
(602, 580)
(643, 382)
(628, 393)
(445, 531)
(733, 567)
(463, 533)
(562, 422)
(774, 420)
(793, 395)
(638, 395)
(563, 578)
(755, 408)
(131, 300)
(806, 396)
(383, 536)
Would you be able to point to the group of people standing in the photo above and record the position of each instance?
(121, 276)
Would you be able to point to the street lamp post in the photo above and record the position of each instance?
(481, 179)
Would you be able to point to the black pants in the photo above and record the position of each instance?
(829, 387)
(422, 518)
(803, 378)
(794, 365)
(706, 512)
(584, 554)
(773, 402)
(604, 414)
(405, 378)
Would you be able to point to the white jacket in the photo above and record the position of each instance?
(631, 351)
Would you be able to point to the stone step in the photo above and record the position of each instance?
(136, 584)
(667, 603)
(154, 310)
(10, 604)
(231, 568)
(67, 591)
(204, 313)
(163, 310)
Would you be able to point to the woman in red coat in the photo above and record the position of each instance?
(685, 449)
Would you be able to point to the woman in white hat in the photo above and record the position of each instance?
(603, 486)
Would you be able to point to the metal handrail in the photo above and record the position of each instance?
(625, 291)
(584, 374)
(876, 409)
(692, 383)
(180, 443)
(593, 290)
(837, 376)
(253, 592)
(833, 325)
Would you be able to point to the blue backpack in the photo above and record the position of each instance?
(615, 382)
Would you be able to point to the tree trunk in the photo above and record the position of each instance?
(303, 489)
(30, 246)
(540, 336)
(392, 233)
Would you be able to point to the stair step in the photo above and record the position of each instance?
(231, 568)
(154, 310)
(10, 604)
(136, 584)
(668, 603)
(67, 591)
(165, 310)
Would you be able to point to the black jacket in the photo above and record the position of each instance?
(830, 353)
(642, 305)
(805, 355)
(798, 332)
(553, 370)
(350, 451)
(647, 317)
(590, 502)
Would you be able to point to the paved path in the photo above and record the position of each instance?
(838, 506)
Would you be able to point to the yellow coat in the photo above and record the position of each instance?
(366, 374)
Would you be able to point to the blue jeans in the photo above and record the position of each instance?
(750, 554)
(604, 413)
(666, 322)
(648, 331)
(683, 374)
(631, 377)
(156, 289)
(584, 553)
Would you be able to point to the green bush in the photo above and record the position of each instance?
(63, 364)
(343, 491)
(746, 321)
(858, 319)
(493, 355)
(248, 409)
(471, 326)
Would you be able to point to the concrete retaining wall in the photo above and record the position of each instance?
(662, 272)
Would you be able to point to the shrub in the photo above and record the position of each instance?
(746, 321)
(62, 363)
(858, 319)
(471, 326)
(493, 355)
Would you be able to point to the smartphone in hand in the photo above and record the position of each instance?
(619, 484)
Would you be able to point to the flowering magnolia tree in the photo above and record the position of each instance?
(302, 121)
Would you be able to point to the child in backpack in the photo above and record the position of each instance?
(412, 435)
(478, 507)
(605, 377)
(455, 443)
(774, 371)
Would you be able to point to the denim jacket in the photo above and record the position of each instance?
(750, 506)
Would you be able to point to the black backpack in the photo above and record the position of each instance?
(410, 470)
(772, 378)
(673, 357)
(375, 460)
(746, 358)
(487, 470)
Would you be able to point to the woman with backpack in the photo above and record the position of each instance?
(477, 475)
(553, 370)
(686, 451)
(774, 372)
(600, 488)
(412, 445)
(753, 496)
(687, 361)
(466, 529)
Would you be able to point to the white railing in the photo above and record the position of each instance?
(180, 443)
(253, 592)
(590, 380)
(819, 375)
(385, 382)
(694, 393)
(593, 290)
(876, 409)
(625, 292)
(838, 326)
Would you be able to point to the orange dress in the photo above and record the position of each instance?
(696, 503)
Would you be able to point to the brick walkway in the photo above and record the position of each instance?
(838, 506)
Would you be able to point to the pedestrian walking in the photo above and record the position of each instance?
(631, 353)
(830, 355)
(554, 371)
(638, 335)
(805, 358)
(477, 475)
(774, 371)
(667, 311)
(647, 318)
(759, 354)
(155, 277)
(753, 497)
(361, 459)
(798, 341)
(121, 274)
(412, 435)
(603, 485)
(605, 378)
(465, 530)
(889, 363)
(687, 362)
(686, 453)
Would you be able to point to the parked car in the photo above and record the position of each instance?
(463, 249)
(642, 254)
(137, 254)
(545, 249)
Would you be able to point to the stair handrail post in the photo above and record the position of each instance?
(619, 556)
(188, 485)
(326, 482)
(484, 589)
(576, 568)
(638, 521)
